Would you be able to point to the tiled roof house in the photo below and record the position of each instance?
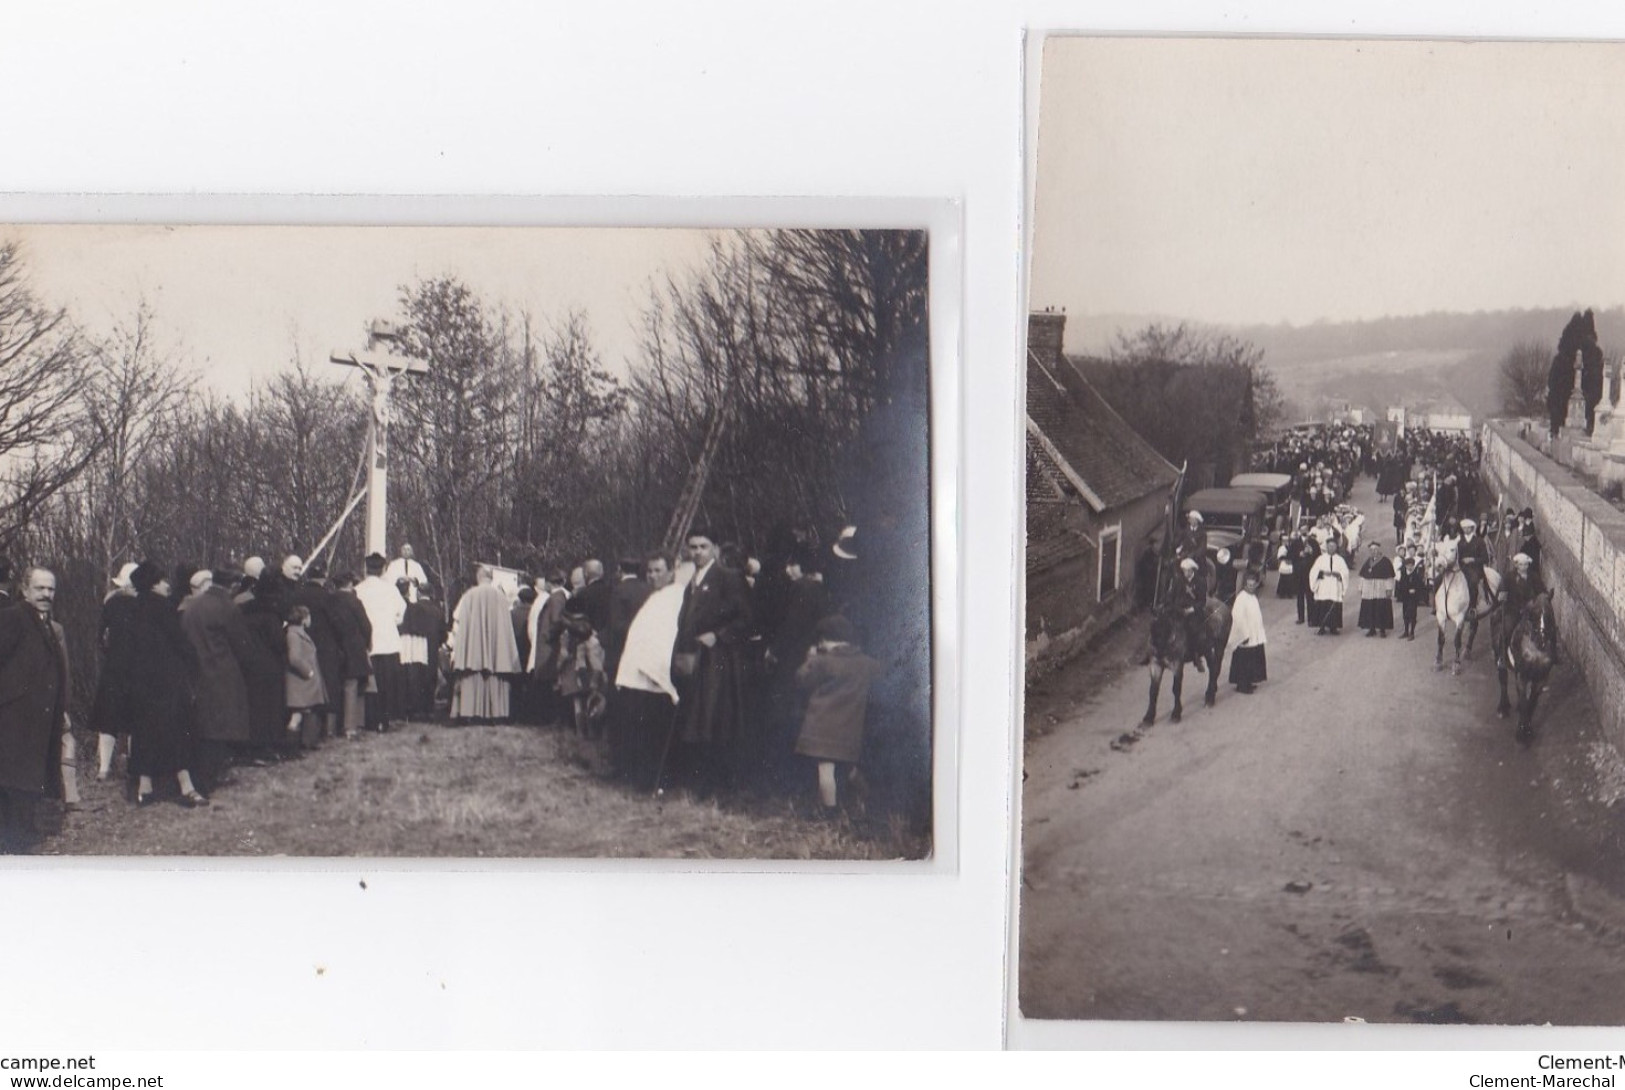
(1096, 493)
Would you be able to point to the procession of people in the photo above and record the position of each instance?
(715, 671)
(1328, 557)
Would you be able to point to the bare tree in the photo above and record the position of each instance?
(454, 424)
(45, 438)
(1522, 376)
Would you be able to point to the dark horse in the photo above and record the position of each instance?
(1529, 642)
(1169, 648)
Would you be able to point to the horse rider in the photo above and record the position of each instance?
(1522, 586)
(1189, 603)
(1472, 557)
(1193, 539)
(1529, 543)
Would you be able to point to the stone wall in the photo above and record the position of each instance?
(1582, 545)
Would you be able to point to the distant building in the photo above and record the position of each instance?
(1096, 494)
(1441, 414)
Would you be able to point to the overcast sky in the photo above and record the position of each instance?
(237, 301)
(1277, 180)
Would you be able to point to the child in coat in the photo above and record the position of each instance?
(303, 689)
(836, 678)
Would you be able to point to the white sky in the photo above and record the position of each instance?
(1226, 180)
(236, 301)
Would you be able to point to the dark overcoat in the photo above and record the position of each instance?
(117, 609)
(355, 635)
(266, 668)
(713, 699)
(33, 701)
(220, 642)
(151, 667)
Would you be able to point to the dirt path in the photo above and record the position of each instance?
(1362, 838)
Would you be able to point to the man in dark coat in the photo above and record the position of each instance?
(543, 664)
(594, 597)
(627, 596)
(712, 628)
(522, 699)
(806, 602)
(1528, 540)
(33, 710)
(355, 636)
(1472, 557)
(225, 654)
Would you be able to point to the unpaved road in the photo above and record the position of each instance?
(1362, 838)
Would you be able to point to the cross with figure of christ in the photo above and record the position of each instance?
(382, 368)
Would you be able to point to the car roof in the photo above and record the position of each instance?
(1225, 501)
(1271, 481)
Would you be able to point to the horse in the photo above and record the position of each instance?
(1451, 601)
(1527, 644)
(1169, 647)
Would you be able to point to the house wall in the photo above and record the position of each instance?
(1063, 614)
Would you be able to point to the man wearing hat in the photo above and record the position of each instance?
(1189, 603)
(1473, 557)
(1521, 586)
(1193, 540)
(1528, 540)
(225, 655)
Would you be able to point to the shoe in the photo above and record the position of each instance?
(1370, 632)
(143, 798)
(192, 799)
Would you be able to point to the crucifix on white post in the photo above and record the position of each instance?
(381, 367)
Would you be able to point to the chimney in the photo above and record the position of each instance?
(1044, 332)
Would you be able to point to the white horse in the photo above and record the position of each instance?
(1452, 602)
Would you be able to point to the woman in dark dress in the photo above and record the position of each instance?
(267, 715)
(116, 610)
(149, 670)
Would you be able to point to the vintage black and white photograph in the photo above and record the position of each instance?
(1325, 534)
(462, 542)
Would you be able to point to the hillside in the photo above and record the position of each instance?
(1381, 361)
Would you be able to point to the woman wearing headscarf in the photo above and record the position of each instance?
(116, 610)
(151, 666)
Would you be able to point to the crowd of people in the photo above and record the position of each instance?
(715, 671)
(1431, 481)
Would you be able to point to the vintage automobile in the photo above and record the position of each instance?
(1281, 506)
(1236, 523)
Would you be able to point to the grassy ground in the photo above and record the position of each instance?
(428, 790)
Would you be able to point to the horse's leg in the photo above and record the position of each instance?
(1455, 667)
(1215, 660)
(1156, 688)
(1179, 690)
(1438, 654)
(1526, 709)
(1472, 634)
(1505, 705)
